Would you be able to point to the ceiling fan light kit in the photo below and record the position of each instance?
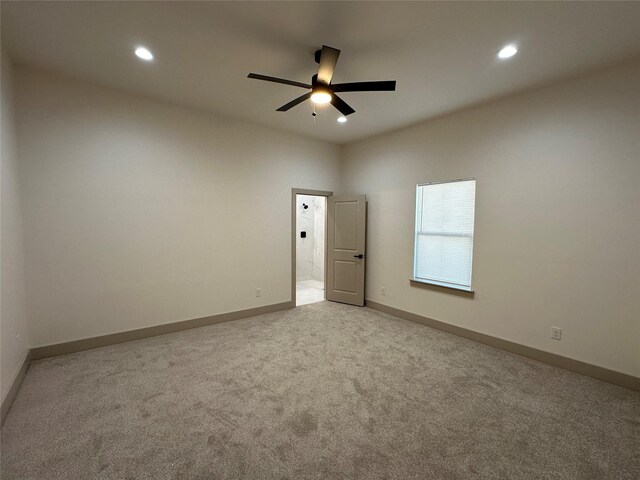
(321, 95)
(322, 91)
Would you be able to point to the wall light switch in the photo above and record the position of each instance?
(556, 333)
(383, 290)
(258, 292)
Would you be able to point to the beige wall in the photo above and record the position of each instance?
(557, 215)
(14, 338)
(139, 213)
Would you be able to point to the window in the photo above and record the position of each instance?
(444, 233)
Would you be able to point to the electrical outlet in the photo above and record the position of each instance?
(258, 292)
(383, 290)
(556, 333)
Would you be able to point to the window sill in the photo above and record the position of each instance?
(442, 288)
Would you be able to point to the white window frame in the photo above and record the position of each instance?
(429, 281)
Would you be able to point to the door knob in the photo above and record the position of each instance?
(358, 256)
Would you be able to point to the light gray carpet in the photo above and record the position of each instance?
(325, 391)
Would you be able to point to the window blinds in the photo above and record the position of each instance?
(444, 233)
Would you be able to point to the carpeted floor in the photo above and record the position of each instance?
(325, 391)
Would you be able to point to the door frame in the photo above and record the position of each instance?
(294, 193)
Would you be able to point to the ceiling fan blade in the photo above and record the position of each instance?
(257, 76)
(382, 86)
(328, 60)
(341, 105)
(295, 102)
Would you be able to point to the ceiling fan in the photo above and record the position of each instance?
(322, 90)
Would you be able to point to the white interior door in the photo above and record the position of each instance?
(346, 232)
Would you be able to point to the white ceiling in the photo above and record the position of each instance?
(442, 54)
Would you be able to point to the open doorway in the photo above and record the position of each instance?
(310, 224)
(328, 242)
(311, 220)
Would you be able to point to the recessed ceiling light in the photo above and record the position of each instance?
(321, 96)
(342, 119)
(144, 54)
(507, 51)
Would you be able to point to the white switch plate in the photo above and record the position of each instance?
(556, 333)
(383, 290)
(258, 292)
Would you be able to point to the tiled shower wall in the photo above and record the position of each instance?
(310, 250)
